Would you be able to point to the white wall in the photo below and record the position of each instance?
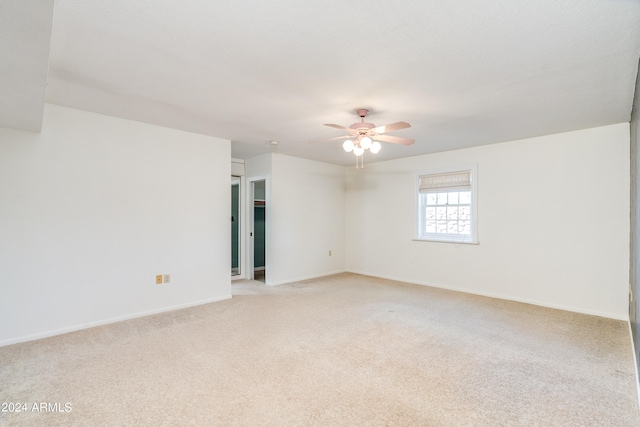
(553, 222)
(634, 259)
(305, 216)
(307, 219)
(258, 166)
(93, 207)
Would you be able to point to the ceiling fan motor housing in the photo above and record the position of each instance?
(364, 126)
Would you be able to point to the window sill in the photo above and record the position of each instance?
(457, 242)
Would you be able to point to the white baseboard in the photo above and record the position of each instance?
(300, 279)
(88, 325)
(499, 296)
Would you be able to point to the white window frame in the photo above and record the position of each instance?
(420, 234)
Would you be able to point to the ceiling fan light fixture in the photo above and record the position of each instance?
(348, 145)
(375, 147)
(365, 142)
(358, 151)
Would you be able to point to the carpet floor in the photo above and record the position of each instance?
(342, 350)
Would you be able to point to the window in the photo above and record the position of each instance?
(446, 205)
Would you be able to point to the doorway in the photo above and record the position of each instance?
(259, 230)
(235, 226)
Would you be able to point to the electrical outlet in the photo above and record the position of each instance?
(329, 253)
(159, 279)
(167, 278)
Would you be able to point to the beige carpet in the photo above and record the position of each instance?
(344, 350)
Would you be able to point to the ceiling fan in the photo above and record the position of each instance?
(363, 135)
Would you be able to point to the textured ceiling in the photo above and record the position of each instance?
(462, 72)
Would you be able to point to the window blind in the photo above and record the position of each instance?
(450, 181)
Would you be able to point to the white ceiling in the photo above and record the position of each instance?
(462, 72)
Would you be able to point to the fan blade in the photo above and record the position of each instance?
(338, 127)
(330, 139)
(394, 139)
(391, 127)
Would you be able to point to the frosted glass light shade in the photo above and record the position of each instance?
(365, 142)
(358, 151)
(348, 146)
(375, 147)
